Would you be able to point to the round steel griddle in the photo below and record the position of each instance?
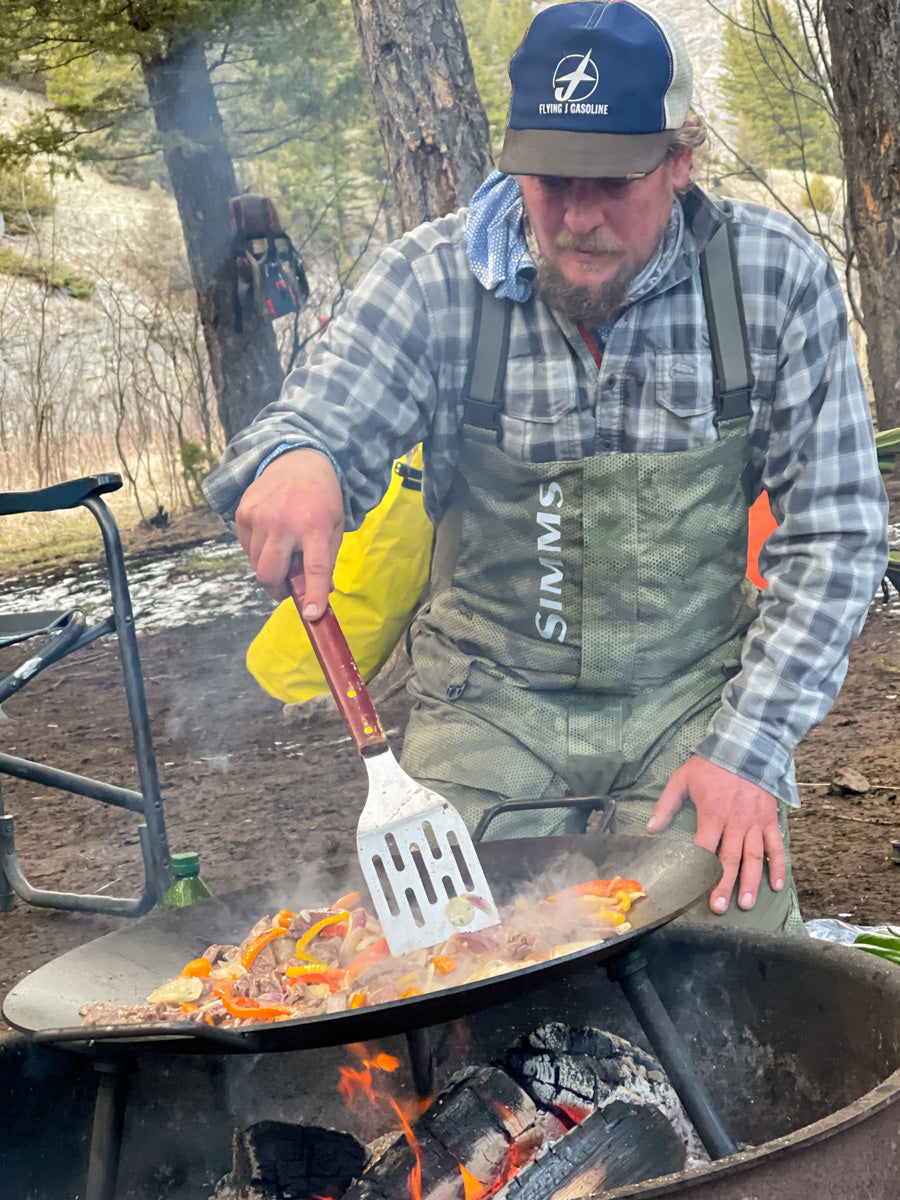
(125, 966)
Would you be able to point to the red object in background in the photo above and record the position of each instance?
(761, 525)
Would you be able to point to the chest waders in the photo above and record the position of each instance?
(586, 614)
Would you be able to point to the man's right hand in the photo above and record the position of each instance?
(295, 508)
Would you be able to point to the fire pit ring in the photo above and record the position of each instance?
(797, 1041)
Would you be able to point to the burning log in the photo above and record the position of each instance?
(614, 1146)
(483, 1121)
(565, 1104)
(273, 1160)
(575, 1071)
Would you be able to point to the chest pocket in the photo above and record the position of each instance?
(678, 390)
(540, 390)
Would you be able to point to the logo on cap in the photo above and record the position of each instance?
(580, 80)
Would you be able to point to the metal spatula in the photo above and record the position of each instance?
(415, 852)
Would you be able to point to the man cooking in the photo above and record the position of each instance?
(653, 360)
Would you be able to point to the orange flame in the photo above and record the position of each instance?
(355, 1084)
(415, 1175)
(473, 1189)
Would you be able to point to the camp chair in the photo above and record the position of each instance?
(62, 633)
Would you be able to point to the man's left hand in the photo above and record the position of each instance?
(735, 819)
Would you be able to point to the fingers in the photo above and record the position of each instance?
(311, 575)
(294, 512)
(736, 820)
(670, 801)
(774, 848)
(271, 556)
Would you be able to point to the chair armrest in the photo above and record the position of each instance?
(60, 495)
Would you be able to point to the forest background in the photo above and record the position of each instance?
(124, 126)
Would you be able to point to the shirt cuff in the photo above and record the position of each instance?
(755, 757)
(306, 444)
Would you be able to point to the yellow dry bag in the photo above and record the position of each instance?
(380, 574)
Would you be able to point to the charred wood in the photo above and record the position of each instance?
(574, 1108)
(483, 1120)
(574, 1071)
(615, 1146)
(274, 1160)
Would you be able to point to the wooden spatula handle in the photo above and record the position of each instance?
(343, 677)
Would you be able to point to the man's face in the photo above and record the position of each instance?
(596, 235)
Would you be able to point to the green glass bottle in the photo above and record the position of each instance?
(187, 885)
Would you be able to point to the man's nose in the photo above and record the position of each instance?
(586, 207)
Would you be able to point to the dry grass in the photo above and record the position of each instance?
(33, 540)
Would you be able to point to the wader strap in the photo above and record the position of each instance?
(732, 376)
(485, 377)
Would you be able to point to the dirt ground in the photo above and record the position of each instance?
(258, 791)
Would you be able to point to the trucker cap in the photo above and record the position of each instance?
(596, 91)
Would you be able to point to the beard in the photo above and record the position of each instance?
(591, 305)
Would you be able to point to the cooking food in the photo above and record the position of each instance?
(303, 964)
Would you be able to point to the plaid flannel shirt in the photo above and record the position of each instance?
(389, 373)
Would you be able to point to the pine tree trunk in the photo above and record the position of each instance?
(433, 124)
(245, 366)
(865, 67)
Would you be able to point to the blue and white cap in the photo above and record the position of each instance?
(596, 91)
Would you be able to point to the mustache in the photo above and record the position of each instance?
(589, 243)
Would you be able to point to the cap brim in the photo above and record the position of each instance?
(582, 155)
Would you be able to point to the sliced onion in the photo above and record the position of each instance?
(177, 991)
(284, 948)
(459, 911)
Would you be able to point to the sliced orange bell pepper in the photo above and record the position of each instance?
(197, 968)
(410, 991)
(366, 958)
(444, 966)
(284, 918)
(349, 901)
(253, 947)
(251, 1010)
(605, 888)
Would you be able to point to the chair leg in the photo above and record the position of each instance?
(134, 690)
(7, 893)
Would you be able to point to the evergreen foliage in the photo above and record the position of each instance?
(289, 82)
(494, 29)
(24, 196)
(55, 275)
(774, 94)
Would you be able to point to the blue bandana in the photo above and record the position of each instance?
(498, 253)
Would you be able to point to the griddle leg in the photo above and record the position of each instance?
(628, 970)
(106, 1134)
(421, 1062)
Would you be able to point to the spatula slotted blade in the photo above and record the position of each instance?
(418, 860)
(415, 851)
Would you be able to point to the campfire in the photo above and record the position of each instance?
(564, 1112)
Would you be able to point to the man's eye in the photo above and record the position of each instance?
(554, 183)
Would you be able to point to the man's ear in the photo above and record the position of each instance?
(681, 168)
